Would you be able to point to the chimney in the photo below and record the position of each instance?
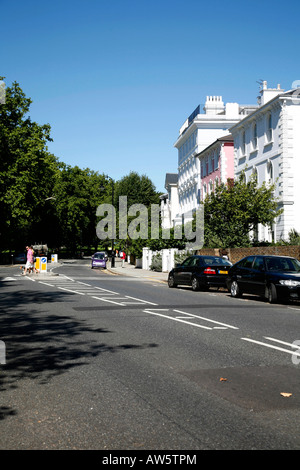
(214, 105)
(268, 94)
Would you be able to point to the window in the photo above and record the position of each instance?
(202, 169)
(269, 132)
(270, 172)
(206, 165)
(247, 262)
(243, 144)
(212, 260)
(216, 162)
(210, 164)
(259, 263)
(188, 262)
(254, 140)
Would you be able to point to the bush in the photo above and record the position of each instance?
(156, 264)
(180, 257)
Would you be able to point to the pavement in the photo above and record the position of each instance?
(130, 270)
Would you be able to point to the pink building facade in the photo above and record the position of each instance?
(216, 164)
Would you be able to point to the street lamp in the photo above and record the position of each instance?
(113, 228)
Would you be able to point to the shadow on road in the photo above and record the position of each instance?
(40, 344)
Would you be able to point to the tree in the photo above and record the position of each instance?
(138, 190)
(77, 194)
(235, 209)
(27, 169)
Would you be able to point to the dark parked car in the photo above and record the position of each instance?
(20, 258)
(200, 272)
(272, 277)
(99, 260)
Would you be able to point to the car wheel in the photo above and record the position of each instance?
(235, 290)
(195, 284)
(272, 294)
(171, 281)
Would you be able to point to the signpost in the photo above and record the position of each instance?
(43, 264)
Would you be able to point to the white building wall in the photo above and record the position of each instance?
(194, 137)
(275, 158)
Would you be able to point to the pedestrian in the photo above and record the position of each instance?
(30, 260)
(123, 258)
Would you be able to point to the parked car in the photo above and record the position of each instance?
(200, 272)
(272, 277)
(20, 258)
(99, 260)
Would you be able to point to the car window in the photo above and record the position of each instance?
(187, 262)
(99, 256)
(258, 263)
(208, 260)
(247, 262)
(282, 264)
(296, 264)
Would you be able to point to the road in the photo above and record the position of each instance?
(105, 362)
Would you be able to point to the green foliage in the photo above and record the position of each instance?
(41, 199)
(27, 169)
(294, 237)
(77, 193)
(235, 209)
(181, 256)
(138, 189)
(156, 263)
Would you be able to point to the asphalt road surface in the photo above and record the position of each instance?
(97, 361)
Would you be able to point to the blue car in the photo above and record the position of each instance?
(99, 260)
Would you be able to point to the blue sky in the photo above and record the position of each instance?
(116, 80)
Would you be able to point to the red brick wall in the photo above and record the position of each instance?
(235, 254)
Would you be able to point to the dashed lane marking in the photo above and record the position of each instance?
(68, 284)
(188, 316)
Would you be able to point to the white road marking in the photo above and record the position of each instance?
(107, 300)
(140, 300)
(282, 342)
(176, 319)
(73, 291)
(271, 346)
(208, 319)
(46, 284)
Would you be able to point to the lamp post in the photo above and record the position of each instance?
(113, 228)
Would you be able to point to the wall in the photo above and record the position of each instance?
(235, 254)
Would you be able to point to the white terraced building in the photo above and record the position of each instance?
(201, 129)
(267, 143)
(169, 201)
